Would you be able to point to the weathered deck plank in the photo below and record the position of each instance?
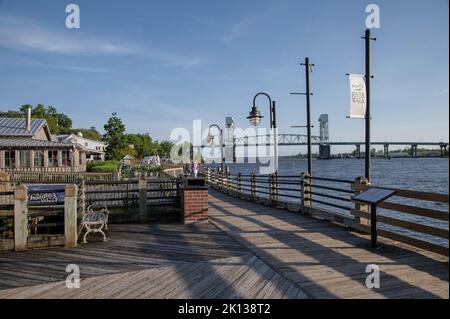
(162, 282)
(145, 261)
(255, 252)
(131, 247)
(326, 260)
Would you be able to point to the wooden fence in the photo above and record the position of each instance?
(65, 177)
(6, 215)
(24, 225)
(132, 193)
(421, 225)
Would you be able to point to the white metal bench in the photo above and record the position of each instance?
(95, 220)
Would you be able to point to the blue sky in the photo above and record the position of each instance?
(161, 64)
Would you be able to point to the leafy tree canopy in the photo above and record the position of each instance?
(59, 123)
(90, 133)
(115, 137)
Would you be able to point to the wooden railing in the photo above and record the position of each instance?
(25, 223)
(66, 177)
(331, 199)
(45, 221)
(128, 193)
(6, 215)
(430, 216)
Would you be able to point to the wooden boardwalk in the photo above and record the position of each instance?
(327, 260)
(147, 261)
(248, 251)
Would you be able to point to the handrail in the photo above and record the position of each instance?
(357, 216)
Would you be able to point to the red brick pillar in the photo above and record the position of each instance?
(194, 205)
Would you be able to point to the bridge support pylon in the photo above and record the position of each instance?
(358, 151)
(324, 151)
(386, 150)
(443, 150)
(414, 153)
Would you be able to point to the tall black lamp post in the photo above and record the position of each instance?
(368, 77)
(308, 67)
(255, 117)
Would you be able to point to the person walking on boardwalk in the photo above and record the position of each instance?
(187, 169)
(195, 168)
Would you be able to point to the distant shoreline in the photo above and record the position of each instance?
(350, 158)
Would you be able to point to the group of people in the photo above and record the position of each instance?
(193, 168)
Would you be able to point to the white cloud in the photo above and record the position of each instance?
(68, 67)
(244, 26)
(24, 34)
(240, 28)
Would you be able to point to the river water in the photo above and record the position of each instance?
(420, 174)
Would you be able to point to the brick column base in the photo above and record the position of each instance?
(194, 205)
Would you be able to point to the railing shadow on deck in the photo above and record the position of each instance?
(207, 275)
(316, 252)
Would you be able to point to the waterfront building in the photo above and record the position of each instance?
(26, 145)
(95, 150)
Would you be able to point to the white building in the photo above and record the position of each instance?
(152, 160)
(95, 150)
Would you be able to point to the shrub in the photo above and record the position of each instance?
(103, 167)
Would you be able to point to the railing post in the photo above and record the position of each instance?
(142, 199)
(227, 179)
(276, 185)
(70, 216)
(20, 218)
(359, 183)
(83, 195)
(207, 175)
(179, 194)
(271, 189)
(253, 186)
(239, 185)
(305, 191)
(373, 225)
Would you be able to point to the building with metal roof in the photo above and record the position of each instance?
(17, 127)
(95, 150)
(26, 145)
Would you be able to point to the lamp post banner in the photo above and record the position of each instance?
(357, 96)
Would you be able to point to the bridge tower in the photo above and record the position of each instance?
(229, 141)
(324, 147)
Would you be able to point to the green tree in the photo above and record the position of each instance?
(164, 148)
(11, 114)
(90, 133)
(114, 137)
(58, 123)
(143, 144)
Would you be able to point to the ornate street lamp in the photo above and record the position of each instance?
(255, 118)
(210, 140)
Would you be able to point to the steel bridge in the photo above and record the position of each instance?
(299, 140)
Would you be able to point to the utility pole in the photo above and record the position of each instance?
(368, 76)
(308, 94)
